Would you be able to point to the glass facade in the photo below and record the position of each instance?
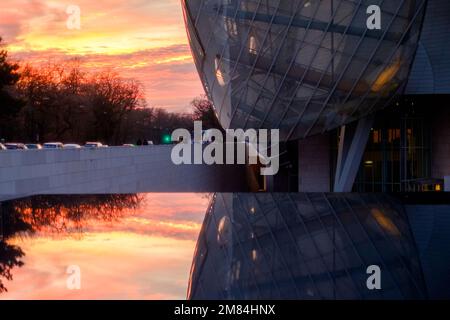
(301, 66)
(398, 154)
(305, 246)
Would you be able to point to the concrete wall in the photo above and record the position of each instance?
(109, 170)
(441, 142)
(314, 164)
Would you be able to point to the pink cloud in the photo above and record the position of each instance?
(139, 39)
(145, 255)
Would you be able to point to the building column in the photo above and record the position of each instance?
(352, 144)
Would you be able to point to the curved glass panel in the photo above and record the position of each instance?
(301, 66)
(305, 246)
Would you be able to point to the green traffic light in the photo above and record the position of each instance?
(167, 139)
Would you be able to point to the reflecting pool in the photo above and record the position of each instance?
(126, 246)
(306, 246)
(226, 246)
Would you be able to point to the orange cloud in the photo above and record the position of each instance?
(145, 255)
(145, 40)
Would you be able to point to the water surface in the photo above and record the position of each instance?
(127, 246)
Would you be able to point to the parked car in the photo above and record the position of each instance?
(94, 145)
(33, 146)
(53, 145)
(128, 145)
(71, 146)
(15, 146)
(2, 147)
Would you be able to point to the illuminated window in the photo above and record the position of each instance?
(376, 136)
(252, 45)
(224, 231)
(231, 27)
(220, 75)
(397, 156)
(254, 255)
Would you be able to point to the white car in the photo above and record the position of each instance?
(53, 145)
(71, 146)
(94, 145)
(34, 146)
(15, 146)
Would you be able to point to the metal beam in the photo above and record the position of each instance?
(352, 144)
(315, 25)
(323, 79)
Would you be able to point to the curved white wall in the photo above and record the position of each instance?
(109, 170)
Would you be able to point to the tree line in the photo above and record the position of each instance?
(62, 102)
(62, 214)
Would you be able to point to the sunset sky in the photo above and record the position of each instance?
(140, 39)
(146, 254)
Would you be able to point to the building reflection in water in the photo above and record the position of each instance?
(305, 246)
(274, 246)
(53, 215)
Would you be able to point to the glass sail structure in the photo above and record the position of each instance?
(305, 246)
(301, 66)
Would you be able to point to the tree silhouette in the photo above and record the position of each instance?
(204, 111)
(10, 255)
(54, 214)
(10, 105)
(9, 258)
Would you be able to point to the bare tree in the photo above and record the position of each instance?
(204, 111)
(111, 99)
